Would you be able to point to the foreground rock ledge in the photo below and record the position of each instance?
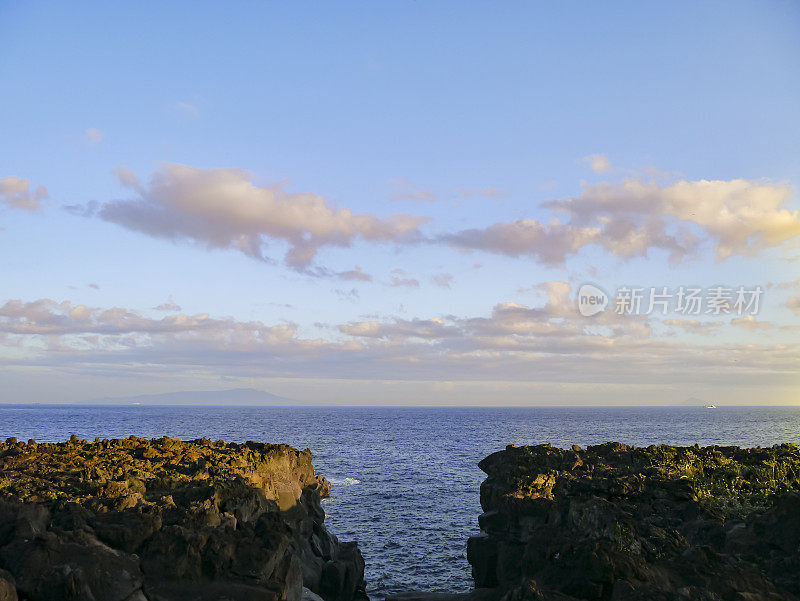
(168, 520)
(620, 523)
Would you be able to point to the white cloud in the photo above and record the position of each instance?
(17, 194)
(515, 342)
(599, 163)
(443, 280)
(785, 285)
(189, 110)
(398, 280)
(547, 244)
(427, 329)
(351, 295)
(509, 323)
(631, 217)
(223, 208)
(93, 136)
(740, 216)
(52, 318)
(356, 274)
(481, 193)
(794, 304)
(170, 306)
(693, 325)
(749, 322)
(405, 191)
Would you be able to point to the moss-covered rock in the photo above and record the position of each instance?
(137, 519)
(613, 522)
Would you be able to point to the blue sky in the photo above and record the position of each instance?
(308, 127)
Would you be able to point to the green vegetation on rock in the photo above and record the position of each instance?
(613, 522)
(168, 520)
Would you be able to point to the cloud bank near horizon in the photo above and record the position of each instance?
(550, 342)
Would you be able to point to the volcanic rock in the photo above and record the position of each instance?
(167, 520)
(619, 523)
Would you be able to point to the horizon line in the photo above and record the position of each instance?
(312, 405)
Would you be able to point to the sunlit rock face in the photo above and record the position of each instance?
(167, 520)
(619, 523)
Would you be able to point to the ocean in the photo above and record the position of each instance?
(405, 480)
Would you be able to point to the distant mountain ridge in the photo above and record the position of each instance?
(234, 396)
(694, 401)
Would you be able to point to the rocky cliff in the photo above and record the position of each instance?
(619, 523)
(167, 520)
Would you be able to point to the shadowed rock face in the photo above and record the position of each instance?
(167, 520)
(640, 524)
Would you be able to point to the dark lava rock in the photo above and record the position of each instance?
(619, 523)
(167, 520)
(8, 592)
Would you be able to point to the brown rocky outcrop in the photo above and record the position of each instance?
(168, 520)
(619, 523)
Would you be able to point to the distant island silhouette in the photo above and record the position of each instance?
(233, 396)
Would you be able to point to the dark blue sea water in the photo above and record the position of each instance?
(406, 479)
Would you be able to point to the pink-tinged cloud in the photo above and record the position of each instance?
(16, 193)
(693, 325)
(632, 217)
(749, 322)
(405, 191)
(599, 163)
(355, 274)
(399, 280)
(443, 280)
(482, 193)
(223, 208)
(514, 342)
